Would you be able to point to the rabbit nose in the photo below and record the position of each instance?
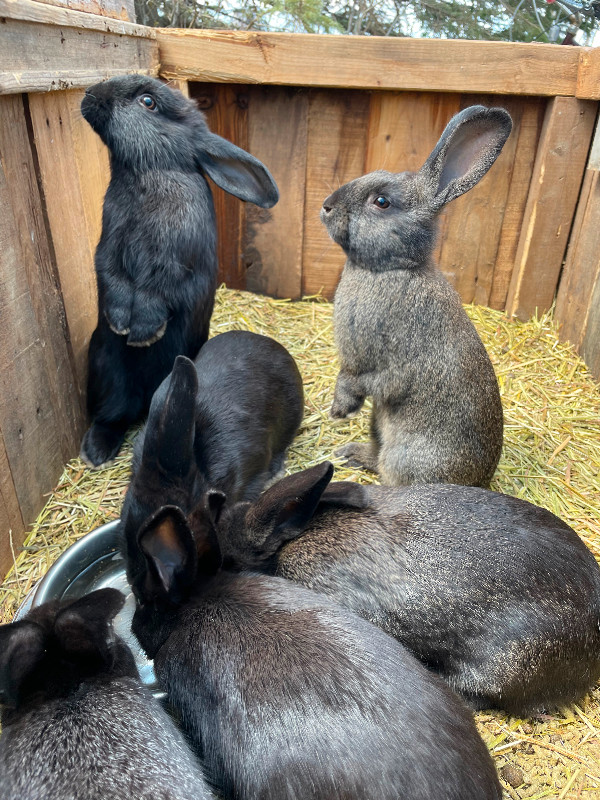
(327, 205)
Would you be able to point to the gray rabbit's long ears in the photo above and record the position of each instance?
(467, 148)
(236, 171)
(169, 442)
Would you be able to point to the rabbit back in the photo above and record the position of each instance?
(287, 696)
(499, 596)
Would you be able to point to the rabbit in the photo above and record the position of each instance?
(222, 422)
(401, 333)
(77, 724)
(156, 261)
(498, 596)
(285, 695)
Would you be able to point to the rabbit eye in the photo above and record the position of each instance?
(382, 202)
(147, 101)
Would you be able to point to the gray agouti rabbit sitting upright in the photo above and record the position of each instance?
(401, 332)
(498, 596)
(156, 260)
(77, 724)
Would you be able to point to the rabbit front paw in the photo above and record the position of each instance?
(148, 322)
(346, 399)
(118, 319)
(358, 455)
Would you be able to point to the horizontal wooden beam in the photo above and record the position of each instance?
(33, 11)
(368, 62)
(46, 48)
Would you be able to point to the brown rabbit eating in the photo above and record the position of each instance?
(402, 335)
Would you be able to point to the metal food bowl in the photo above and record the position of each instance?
(94, 562)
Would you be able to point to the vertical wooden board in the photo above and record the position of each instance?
(528, 117)
(581, 272)
(555, 186)
(226, 109)
(590, 349)
(29, 420)
(336, 152)
(277, 135)
(404, 128)
(12, 527)
(74, 174)
(468, 247)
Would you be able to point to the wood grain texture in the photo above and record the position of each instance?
(64, 15)
(336, 150)
(368, 62)
(555, 185)
(74, 171)
(278, 129)
(12, 527)
(577, 303)
(38, 57)
(38, 402)
(226, 109)
(588, 76)
(116, 9)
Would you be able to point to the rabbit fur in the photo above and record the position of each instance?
(285, 695)
(401, 332)
(156, 260)
(77, 724)
(499, 596)
(223, 422)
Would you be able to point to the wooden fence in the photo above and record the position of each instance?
(318, 110)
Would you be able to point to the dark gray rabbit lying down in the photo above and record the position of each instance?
(223, 422)
(77, 724)
(499, 596)
(400, 329)
(156, 261)
(286, 695)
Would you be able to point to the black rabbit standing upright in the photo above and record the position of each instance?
(156, 260)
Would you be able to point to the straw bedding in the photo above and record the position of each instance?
(551, 457)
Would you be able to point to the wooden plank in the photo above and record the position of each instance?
(555, 185)
(34, 423)
(117, 9)
(336, 148)
(65, 16)
(528, 117)
(38, 57)
(368, 62)
(74, 172)
(12, 527)
(277, 135)
(577, 310)
(226, 109)
(588, 76)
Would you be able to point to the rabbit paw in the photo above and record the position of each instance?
(146, 342)
(100, 445)
(360, 455)
(118, 320)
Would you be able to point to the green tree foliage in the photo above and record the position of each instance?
(502, 20)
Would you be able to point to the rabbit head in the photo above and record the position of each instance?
(60, 644)
(148, 126)
(386, 221)
(251, 534)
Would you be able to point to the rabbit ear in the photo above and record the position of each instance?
(169, 438)
(468, 147)
(284, 510)
(236, 171)
(22, 647)
(83, 628)
(168, 546)
(345, 494)
(203, 521)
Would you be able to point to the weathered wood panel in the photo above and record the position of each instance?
(64, 14)
(555, 185)
(11, 522)
(336, 151)
(41, 414)
(578, 300)
(117, 9)
(273, 238)
(368, 62)
(74, 171)
(226, 109)
(47, 48)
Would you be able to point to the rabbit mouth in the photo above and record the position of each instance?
(95, 112)
(336, 228)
